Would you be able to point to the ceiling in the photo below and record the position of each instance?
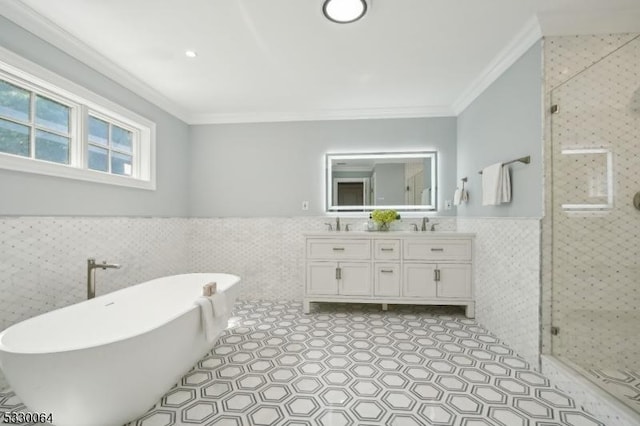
(275, 60)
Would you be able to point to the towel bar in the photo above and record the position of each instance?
(525, 160)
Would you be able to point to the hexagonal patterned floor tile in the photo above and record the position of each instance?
(357, 365)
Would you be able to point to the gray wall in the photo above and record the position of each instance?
(268, 169)
(502, 124)
(31, 194)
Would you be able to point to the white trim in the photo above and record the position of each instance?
(322, 115)
(518, 46)
(39, 79)
(30, 165)
(29, 19)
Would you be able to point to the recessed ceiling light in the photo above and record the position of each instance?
(190, 53)
(344, 11)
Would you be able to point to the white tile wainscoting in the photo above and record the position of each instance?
(267, 253)
(507, 280)
(43, 261)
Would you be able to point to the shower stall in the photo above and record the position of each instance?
(595, 216)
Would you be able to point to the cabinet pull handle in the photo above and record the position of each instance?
(338, 273)
(437, 249)
(338, 249)
(437, 274)
(387, 271)
(386, 249)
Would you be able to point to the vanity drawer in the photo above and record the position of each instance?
(386, 250)
(338, 249)
(434, 249)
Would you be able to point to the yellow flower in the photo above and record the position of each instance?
(384, 216)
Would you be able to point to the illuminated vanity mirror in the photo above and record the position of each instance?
(404, 181)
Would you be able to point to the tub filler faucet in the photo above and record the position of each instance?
(91, 274)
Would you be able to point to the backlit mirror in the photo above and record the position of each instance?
(394, 180)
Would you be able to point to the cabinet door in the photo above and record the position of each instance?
(418, 280)
(355, 279)
(455, 281)
(321, 278)
(386, 279)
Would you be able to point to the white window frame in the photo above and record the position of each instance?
(82, 102)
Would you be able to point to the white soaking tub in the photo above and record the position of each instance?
(106, 361)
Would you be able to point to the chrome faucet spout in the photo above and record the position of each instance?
(91, 274)
(105, 265)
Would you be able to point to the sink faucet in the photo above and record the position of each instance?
(425, 220)
(91, 274)
(337, 223)
(415, 227)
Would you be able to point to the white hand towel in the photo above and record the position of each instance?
(505, 196)
(206, 317)
(213, 310)
(457, 197)
(492, 185)
(219, 304)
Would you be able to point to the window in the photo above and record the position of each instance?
(33, 126)
(65, 130)
(110, 147)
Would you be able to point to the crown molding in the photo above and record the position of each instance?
(526, 37)
(30, 20)
(322, 115)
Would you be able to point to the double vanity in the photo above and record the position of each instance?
(425, 268)
(419, 267)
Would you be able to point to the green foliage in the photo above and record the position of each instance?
(384, 216)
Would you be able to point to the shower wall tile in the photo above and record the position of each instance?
(567, 56)
(593, 282)
(507, 280)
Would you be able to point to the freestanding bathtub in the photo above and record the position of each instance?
(106, 361)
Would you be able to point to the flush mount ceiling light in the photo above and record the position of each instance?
(190, 53)
(344, 11)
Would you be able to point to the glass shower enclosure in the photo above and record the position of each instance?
(595, 175)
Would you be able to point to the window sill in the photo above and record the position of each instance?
(29, 165)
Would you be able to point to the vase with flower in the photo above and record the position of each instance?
(384, 218)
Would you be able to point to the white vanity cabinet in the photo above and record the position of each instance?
(338, 267)
(434, 268)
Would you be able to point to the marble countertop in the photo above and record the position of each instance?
(390, 234)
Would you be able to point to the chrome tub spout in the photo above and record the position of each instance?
(91, 274)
